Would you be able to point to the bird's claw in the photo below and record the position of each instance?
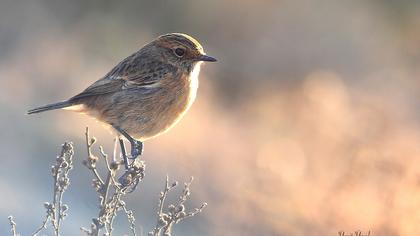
(136, 149)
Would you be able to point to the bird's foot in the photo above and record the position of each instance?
(136, 149)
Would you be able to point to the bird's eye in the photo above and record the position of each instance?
(179, 52)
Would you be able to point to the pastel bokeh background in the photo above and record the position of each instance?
(309, 124)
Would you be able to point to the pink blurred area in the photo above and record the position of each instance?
(307, 125)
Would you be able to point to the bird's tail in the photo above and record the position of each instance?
(48, 107)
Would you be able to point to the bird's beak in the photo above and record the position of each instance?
(207, 58)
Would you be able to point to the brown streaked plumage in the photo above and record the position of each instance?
(146, 93)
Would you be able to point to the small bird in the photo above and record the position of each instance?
(145, 94)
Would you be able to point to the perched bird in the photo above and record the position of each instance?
(146, 93)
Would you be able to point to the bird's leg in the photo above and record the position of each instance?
(136, 146)
(124, 153)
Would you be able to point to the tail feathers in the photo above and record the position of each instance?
(48, 107)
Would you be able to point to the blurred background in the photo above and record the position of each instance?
(309, 123)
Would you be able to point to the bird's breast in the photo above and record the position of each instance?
(177, 94)
(193, 84)
(184, 94)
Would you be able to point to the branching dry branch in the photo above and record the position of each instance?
(176, 213)
(110, 190)
(112, 186)
(57, 210)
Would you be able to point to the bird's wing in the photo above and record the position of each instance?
(147, 75)
(129, 75)
(100, 87)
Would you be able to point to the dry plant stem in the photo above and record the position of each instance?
(110, 174)
(56, 220)
(43, 225)
(57, 211)
(162, 197)
(89, 144)
(131, 219)
(176, 213)
(12, 225)
(111, 191)
(61, 181)
(104, 195)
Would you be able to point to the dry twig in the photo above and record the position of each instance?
(111, 191)
(57, 210)
(176, 212)
(12, 225)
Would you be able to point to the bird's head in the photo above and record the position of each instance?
(181, 50)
